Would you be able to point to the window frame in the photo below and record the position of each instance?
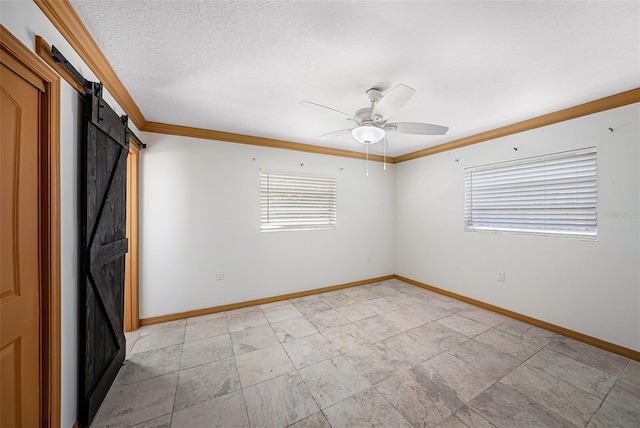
(300, 195)
(579, 207)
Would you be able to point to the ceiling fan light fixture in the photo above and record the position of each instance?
(368, 134)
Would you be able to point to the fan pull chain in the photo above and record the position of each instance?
(367, 170)
(384, 151)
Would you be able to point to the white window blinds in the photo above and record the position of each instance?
(554, 194)
(292, 202)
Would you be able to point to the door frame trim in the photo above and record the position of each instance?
(131, 283)
(50, 382)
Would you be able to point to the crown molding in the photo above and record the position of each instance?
(602, 104)
(186, 131)
(66, 20)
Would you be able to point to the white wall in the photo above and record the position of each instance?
(589, 287)
(200, 210)
(25, 20)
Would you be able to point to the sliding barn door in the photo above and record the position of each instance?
(104, 245)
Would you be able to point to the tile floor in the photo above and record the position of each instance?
(387, 354)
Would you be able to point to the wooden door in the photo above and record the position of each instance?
(103, 234)
(20, 269)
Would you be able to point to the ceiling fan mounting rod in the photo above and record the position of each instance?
(374, 95)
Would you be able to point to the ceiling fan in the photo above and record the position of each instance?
(370, 123)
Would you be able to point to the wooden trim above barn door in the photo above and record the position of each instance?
(66, 20)
(43, 49)
(50, 223)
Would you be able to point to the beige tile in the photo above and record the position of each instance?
(508, 344)
(383, 290)
(281, 313)
(337, 300)
(250, 318)
(333, 380)
(599, 358)
(560, 397)
(485, 358)
(588, 378)
(294, 328)
(206, 351)
(378, 327)
(276, 304)
(463, 325)
(483, 316)
(131, 404)
(621, 408)
(253, 339)
(205, 382)
(279, 402)
(158, 338)
(360, 294)
(405, 319)
(263, 364)
(413, 344)
(438, 335)
(207, 317)
(169, 325)
(317, 420)
(327, 319)
(366, 408)
(447, 371)
(356, 312)
(375, 362)
(632, 373)
(411, 348)
(380, 305)
(161, 422)
(404, 300)
(244, 310)
(226, 411)
(427, 313)
(465, 417)
(148, 364)
(446, 305)
(418, 399)
(204, 329)
(505, 407)
(130, 338)
(527, 332)
(346, 337)
(311, 306)
(309, 350)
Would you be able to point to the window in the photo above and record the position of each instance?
(550, 195)
(293, 202)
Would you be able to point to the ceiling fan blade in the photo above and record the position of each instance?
(336, 133)
(416, 128)
(320, 107)
(391, 102)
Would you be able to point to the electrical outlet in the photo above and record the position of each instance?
(500, 276)
(219, 275)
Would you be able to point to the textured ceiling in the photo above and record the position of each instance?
(244, 66)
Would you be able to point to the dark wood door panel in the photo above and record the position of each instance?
(104, 244)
